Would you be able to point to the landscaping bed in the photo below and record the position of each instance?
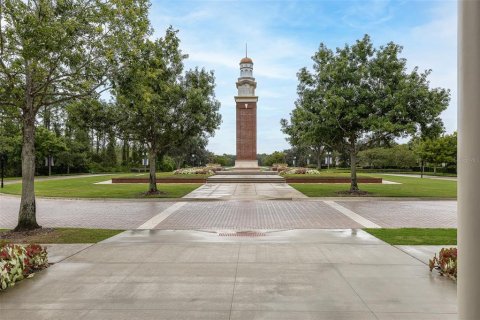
(18, 262)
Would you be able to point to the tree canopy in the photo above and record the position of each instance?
(52, 52)
(163, 107)
(359, 94)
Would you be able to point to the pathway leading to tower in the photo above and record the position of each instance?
(245, 191)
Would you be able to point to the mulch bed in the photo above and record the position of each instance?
(25, 236)
(358, 193)
(153, 193)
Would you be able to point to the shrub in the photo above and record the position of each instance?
(18, 262)
(446, 263)
(299, 171)
(193, 171)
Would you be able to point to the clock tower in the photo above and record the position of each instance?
(246, 107)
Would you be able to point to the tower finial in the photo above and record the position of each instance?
(246, 50)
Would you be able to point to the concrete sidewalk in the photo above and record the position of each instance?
(294, 274)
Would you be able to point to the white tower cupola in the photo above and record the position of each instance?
(246, 68)
(246, 82)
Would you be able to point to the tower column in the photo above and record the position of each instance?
(246, 116)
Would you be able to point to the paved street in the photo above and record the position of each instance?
(296, 274)
(235, 214)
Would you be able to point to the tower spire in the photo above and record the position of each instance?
(246, 49)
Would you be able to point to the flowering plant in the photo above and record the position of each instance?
(299, 171)
(18, 262)
(193, 171)
(446, 263)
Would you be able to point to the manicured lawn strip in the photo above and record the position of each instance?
(416, 236)
(168, 175)
(326, 174)
(182, 176)
(409, 187)
(86, 188)
(69, 235)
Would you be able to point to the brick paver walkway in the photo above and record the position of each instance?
(257, 215)
(249, 191)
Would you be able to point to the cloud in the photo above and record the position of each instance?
(433, 45)
(367, 14)
(283, 35)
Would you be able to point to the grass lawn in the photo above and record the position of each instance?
(416, 236)
(409, 187)
(325, 173)
(164, 175)
(86, 188)
(60, 235)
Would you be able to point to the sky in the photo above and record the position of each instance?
(282, 37)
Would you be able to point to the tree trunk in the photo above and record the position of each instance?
(319, 161)
(435, 169)
(353, 168)
(152, 158)
(98, 142)
(49, 159)
(124, 152)
(68, 169)
(27, 215)
(423, 169)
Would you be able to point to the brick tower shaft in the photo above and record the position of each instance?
(246, 113)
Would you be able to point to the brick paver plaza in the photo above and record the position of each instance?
(234, 214)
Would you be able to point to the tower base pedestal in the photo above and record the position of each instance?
(246, 164)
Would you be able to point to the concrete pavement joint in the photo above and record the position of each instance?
(352, 215)
(154, 221)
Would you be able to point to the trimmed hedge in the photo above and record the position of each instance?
(18, 262)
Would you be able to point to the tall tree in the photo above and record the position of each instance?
(54, 51)
(163, 107)
(365, 94)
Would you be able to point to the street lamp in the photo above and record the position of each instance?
(49, 163)
(145, 162)
(193, 160)
(294, 160)
(329, 159)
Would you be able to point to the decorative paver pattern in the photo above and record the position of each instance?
(257, 215)
(83, 213)
(403, 214)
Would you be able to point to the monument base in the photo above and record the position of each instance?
(246, 164)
